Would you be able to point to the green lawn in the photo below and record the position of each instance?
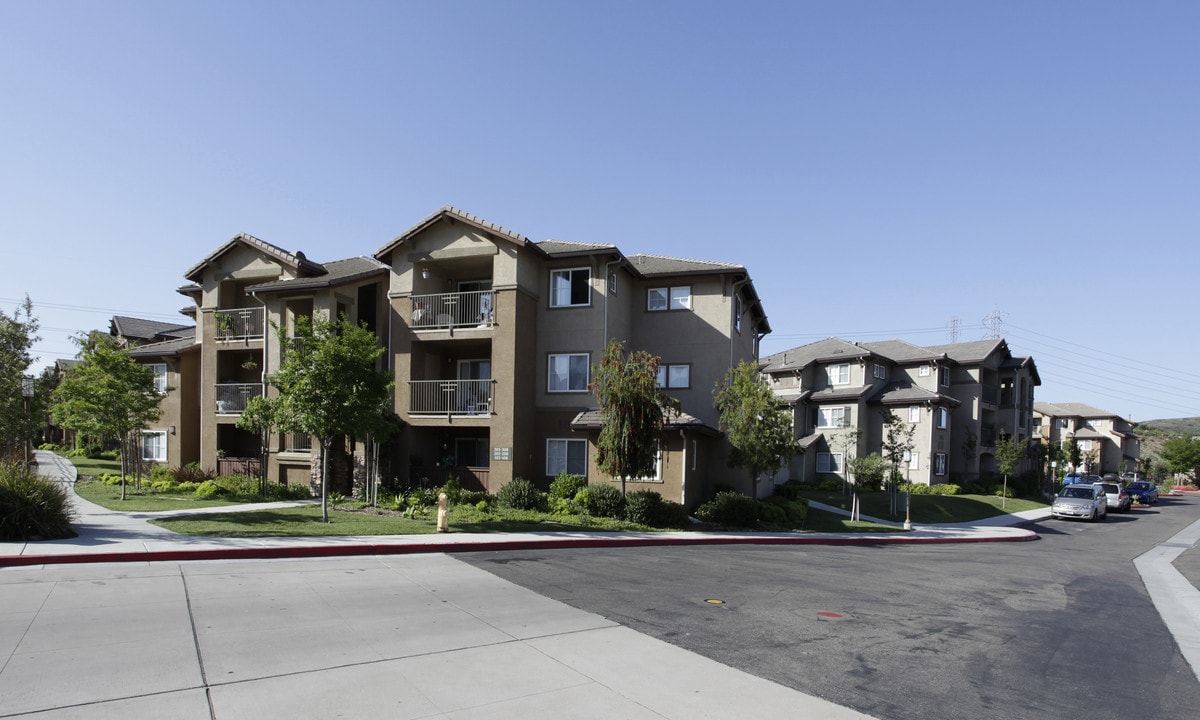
(928, 509)
(94, 468)
(109, 496)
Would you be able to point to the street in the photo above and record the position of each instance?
(1054, 628)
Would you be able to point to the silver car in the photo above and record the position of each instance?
(1082, 500)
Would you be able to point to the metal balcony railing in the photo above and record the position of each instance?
(450, 397)
(240, 323)
(453, 310)
(991, 394)
(232, 397)
(297, 442)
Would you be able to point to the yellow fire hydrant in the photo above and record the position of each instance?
(443, 516)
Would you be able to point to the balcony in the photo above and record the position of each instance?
(450, 397)
(990, 394)
(232, 397)
(454, 310)
(240, 324)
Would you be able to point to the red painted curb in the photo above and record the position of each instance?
(316, 551)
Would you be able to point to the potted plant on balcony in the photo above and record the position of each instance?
(224, 324)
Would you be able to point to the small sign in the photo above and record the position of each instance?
(502, 453)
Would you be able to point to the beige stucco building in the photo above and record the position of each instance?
(1106, 440)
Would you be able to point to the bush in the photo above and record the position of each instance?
(604, 501)
(238, 485)
(474, 497)
(161, 474)
(567, 486)
(521, 494)
(453, 489)
(192, 473)
(794, 511)
(730, 508)
(675, 515)
(792, 490)
(644, 507)
(31, 507)
(209, 489)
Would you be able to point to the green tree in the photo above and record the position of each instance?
(897, 446)
(633, 410)
(107, 394)
(259, 418)
(1008, 456)
(18, 333)
(757, 425)
(328, 385)
(1075, 455)
(1182, 455)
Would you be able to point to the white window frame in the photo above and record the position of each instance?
(879, 371)
(829, 462)
(1085, 445)
(923, 371)
(160, 377)
(737, 313)
(941, 418)
(943, 376)
(160, 446)
(838, 373)
(560, 461)
(675, 297)
(571, 276)
(914, 413)
(914, 459)
(658, 473)
(668, 376)
(833, 417)
(1063, 423)
(939, 464)
(568, 358)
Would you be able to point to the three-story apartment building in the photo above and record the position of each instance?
(957, 399)
(1106, 440)
(490, 337)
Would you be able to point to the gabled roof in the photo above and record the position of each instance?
(451, 213)
(338, 272)
(827, 350)
(1023, 362)
(166, 348)
(902, 352)
(567, 248)
(141, 329)
(841, 392)
(1070, 409)
(294, 260)
(590, 420)
(969, 353)
(659, 265)
(905, 393)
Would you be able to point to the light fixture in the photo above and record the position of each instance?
(27, 386)
(171, 429)
(425, 273)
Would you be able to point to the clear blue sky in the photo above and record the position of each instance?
(881, 168)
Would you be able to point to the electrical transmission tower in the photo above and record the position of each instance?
(952, 330)
(993, 322)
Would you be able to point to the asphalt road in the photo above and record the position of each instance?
(1061, 627)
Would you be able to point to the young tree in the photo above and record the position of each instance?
(259, 418)
(758, 426)
(633, 411)
(107, 394)
(1075, 455)
(897, 444)
(1182, 455)
(328, 385)
(18, 333)
(1008, 456)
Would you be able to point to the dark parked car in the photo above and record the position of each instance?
(1116, 496)
(1081, 500)
(1144, 492)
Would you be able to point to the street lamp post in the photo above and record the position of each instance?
(27, 393)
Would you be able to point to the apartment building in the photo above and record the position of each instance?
(957, 398)
(1106, 440)
(490, 337)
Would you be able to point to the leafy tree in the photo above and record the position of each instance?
(18, 333)
(107, 394)
(259, 418)
(758, 426)
(897, 444)
(1074, 454)
(1008, 456)
(1182, 455)
(328, 385)
(633, 410)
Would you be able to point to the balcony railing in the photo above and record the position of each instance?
(240, 323)
(297, 442)
(991, 394)
(232, 397)
(450, 397)
(453, 310)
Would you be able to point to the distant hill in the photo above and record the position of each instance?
(1153, 434)
(1177, 426)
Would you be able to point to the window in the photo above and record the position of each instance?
(674, 376)
(944, 376)
(879, 372)
(566, 456)
(612, 282)
(160, 376)
(923, 371)
(939, 463)
(829, 462)
(838, 374)
(657, 476)
(914, 460)
(1085, 445)
(942, 416)
(154, 445)
(1063, 423)
(833, 417)
(914, 413)
(673, 298)
(737, 313)
(567, 373)
(570, 288)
